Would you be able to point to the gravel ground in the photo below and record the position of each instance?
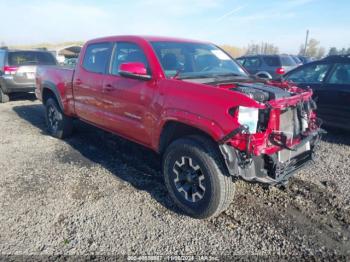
(98, 194)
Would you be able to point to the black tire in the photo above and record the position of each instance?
(4, 98)
(58, 124)
(190, 153)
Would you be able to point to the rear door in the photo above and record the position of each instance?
(88, 83)
(338, 85)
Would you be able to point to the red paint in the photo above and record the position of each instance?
(139, 109)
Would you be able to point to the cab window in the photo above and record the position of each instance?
(96, 57)
(125, 53)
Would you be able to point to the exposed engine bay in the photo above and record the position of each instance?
(296, 134)
(261, 92)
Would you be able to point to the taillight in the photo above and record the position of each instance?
(280, 71)
(10, 70)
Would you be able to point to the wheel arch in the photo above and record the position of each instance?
(174, 129)
(267, 74)
(50, 90)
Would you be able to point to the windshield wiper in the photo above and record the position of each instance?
(196, 76)
(229, 74)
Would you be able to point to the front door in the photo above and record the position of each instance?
(129, 102)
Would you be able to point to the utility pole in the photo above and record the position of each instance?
(306, 41)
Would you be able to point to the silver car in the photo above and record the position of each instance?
(18, 68)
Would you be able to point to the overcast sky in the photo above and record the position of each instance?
(281, 22)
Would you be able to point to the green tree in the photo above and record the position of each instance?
(312, 49)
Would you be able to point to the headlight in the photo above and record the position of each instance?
(249, 117)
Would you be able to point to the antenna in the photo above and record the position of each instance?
(306, 41)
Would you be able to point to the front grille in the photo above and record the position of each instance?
(289, 122)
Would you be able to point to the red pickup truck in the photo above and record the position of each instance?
(192, 103)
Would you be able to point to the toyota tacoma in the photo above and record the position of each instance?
(192, 103)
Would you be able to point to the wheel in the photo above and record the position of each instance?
(4, 98)
(195, 177)
(58, 124)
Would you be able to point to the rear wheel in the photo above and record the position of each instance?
(4, 98)
(58, 124)
(196, 178)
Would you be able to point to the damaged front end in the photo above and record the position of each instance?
(283, 140)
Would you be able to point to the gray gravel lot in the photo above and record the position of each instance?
(98, 194)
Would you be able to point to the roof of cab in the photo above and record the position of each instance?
(145, 38)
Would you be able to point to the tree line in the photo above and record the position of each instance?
(313, 49)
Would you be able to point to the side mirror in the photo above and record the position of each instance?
(134, 70)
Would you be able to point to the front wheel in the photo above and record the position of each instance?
(196, 178)
(58, 124)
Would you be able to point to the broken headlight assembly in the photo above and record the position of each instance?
(248, 117)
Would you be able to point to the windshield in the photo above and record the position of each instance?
(195, 60)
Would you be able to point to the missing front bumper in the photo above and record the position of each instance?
(270, 169)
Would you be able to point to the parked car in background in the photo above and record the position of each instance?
(193, 104)
(18, 68)
(329, 79)
(297, 60)
(267, 66)
(306, 59)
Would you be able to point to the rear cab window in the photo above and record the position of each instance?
(97, 57)
(19, 58)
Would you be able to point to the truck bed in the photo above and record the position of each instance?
(59, 77)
